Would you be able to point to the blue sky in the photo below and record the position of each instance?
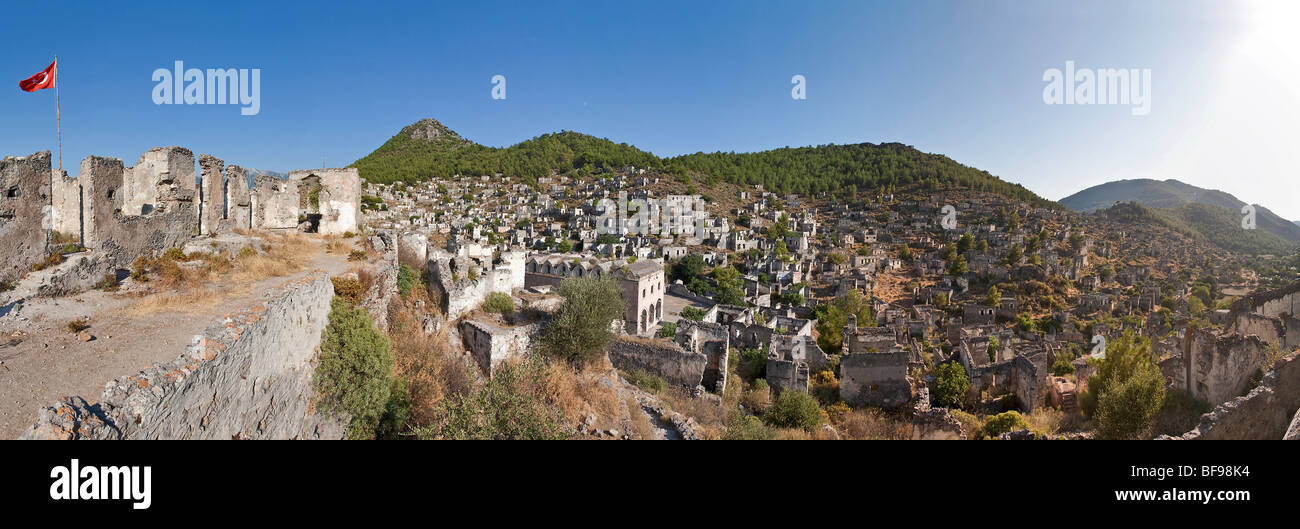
(959, 78)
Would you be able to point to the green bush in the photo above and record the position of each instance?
(513, 404)
(499, 302)
(950, 385)
(580, 330)
(355, 375)
(1127, 392)
(407, 278)
(668, 330)
(752, 363)
(692, 313)
(1004, 422)
(646, 381)
(795, 409)
(741, 427)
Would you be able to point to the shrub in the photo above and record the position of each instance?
(348, 235)
(349, 289)
(646, 381)
(580, 330)
(53, 259)
(825, 387)
(741, 427)
(499, 302)
(357, 255)
(108, 283)
(407, 278)
(1004, 422)
(668, 330)
(512, 405)
(174, 254)
(950, 385)
(752, 363)
(246, 251)
(1127, 392)
(795, 409)
(355, 374)
(78, 325)
(692, 313)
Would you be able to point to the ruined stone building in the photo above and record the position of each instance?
(120, 213)
(642, 283)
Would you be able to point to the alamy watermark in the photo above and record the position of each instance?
(1103, 86)
(667, 217)
(214, 86)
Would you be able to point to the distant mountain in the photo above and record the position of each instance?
(427, 149)
(253, 173)
(1208, 213)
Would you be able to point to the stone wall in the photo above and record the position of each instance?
(274, 203)
(664, 359)
(212, 194)
(248, 377)
(413, 249)
(491, 344)
(118, 237)
(24, 212)
(337, 200)
(933, 424)
(1264, 413)
(65, 215)
(239, 205)
(460, 284)
(1219, 366)
(711, 340)
(875, 379)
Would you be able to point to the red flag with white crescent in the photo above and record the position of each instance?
(44, 79)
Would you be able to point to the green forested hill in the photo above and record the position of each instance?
(428, 149)
(808, 170)
(1214, 224)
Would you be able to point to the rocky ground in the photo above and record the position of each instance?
(42, 360)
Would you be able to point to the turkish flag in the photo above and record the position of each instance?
(45, 79)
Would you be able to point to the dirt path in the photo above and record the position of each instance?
(42, 361)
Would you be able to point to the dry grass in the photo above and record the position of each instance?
(711, 416)
(1045, 420)
(644, 430)
(873, 424)
(190, 283)
(578, 393)
(431, 370)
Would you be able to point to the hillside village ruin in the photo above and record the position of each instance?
(471, 237)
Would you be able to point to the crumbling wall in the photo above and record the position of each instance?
(170, 219)
(875, 379)
(711, 340)
(248, 377)
(1264, 413)
(1029, 380)
(239, 205)
(413, 249)
(339, 198)
(1219, 366)
(460, 284)
(24, 212)
(664, 359)
(275, 204)
(491, 344)
(65, 215)
(933, 424)
(212, 194)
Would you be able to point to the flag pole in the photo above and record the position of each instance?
(58, 118)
